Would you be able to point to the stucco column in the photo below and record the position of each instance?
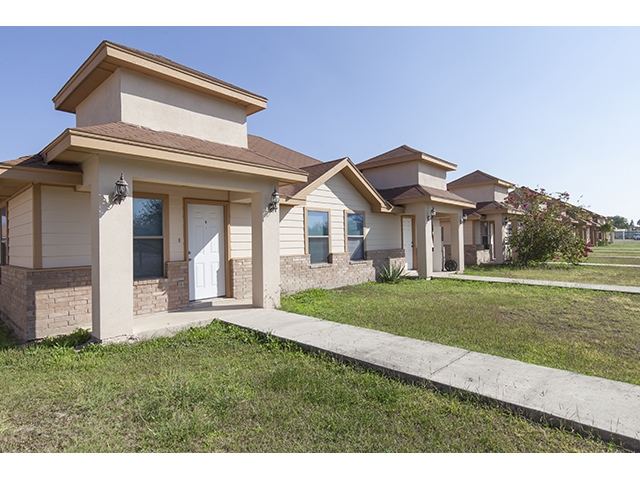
(265, 251)
(438, 258)
(111, 252)
(501, 239)
(424, 242)
(457, 240)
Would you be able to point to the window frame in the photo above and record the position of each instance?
(307, 236)
(165, 232)
(347, 236)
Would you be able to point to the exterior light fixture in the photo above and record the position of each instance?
(275, 200)
(120, 192)
(432, 213)
(464, 218)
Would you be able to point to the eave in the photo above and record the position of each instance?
(108, 57)
(14, 178)
(355, 177)
(74, 146)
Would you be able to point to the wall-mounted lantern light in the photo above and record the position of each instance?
(120, 192)
(463, 219)
(275, 200)
(432, 213)
(505, 222)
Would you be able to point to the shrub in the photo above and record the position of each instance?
(391, 274)
(545, 228)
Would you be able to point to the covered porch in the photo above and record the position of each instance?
(172, 238)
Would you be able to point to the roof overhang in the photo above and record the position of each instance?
(436, 199)
(355, 177)
(74, 146)
(412, 157)
(14, 178)
(108, 57)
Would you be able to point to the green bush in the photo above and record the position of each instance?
(391, 274)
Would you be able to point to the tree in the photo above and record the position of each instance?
(619, 222)
(546, 227)
(631, 224)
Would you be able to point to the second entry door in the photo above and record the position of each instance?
(206, 251)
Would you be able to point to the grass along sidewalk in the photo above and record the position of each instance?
(223, 389)
(588, 332)
(609, 275)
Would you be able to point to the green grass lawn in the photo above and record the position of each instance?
(619, 253)
(627, 276)
(589, 332)
(221, 389)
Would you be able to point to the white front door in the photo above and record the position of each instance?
(407, 242)
(206, 251)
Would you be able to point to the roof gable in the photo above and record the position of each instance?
(321, 173)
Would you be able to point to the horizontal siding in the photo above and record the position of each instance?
(240, 230)
(20, 233)
(382, 231)
(66, 227)
(292, 230)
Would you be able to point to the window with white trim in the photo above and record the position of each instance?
(148, 237)
(318, 236)
(355, 235)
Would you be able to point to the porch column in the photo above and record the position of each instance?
(438, 254)
(111, 252)
(424, 241)
(457, 240)
(265, 251)
(501, 243)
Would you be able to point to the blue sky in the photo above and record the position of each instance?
(552, 107)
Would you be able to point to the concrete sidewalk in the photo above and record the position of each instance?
(607, 408)
(543, 283)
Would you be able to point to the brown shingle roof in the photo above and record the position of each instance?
(400, 195)
(476, 177)
(314, 171)
(483, 208)
(37, 161)
(282, 154)
(178, 66)
(134, 133)
(398, 153)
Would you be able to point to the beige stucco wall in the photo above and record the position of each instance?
(66, 227)
(432, 176)
(135, 98)
(103, 105)
(20, 232)
(391, 176)
(482, 193)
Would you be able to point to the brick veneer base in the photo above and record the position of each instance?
(297, 273)
(49, 302)
(162, 294)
